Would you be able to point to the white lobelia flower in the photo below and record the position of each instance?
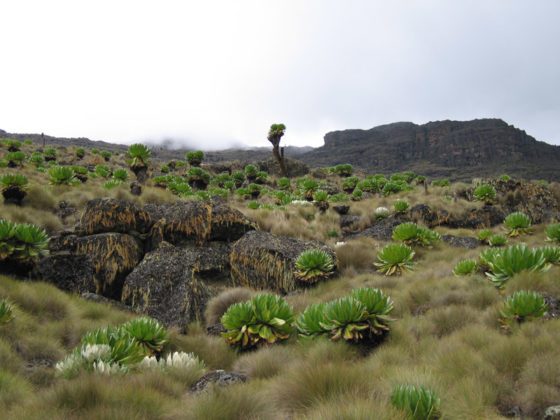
(92, 352)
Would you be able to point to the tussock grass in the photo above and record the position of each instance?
(218, 305)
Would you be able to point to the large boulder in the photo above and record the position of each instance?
(110, 215)
(382, 230)
(481, 218)
(262, 260)
(168, 284)
(196, 222)
(429, 217)
(219, 378)
(112, 256)
(67, 271)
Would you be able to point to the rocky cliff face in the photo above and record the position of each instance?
(458, 150)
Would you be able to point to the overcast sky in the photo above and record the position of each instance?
(218, 73)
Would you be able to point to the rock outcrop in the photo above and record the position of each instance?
(262, 260)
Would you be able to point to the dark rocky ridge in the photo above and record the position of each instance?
(458, 150)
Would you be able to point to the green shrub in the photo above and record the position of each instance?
(378, 307)
(350, 183)
(518, 223)
(245, 193)
(121, 174)
(80, 152)
(357, 194)
(36, 158)
(251, 172)
(24, 242)
(497, 240)
(505, 177)
(283, 183)
(106, 155)
(553, 233)
(221, 179)
(103, 171)
(262, 177)
(195, 158)
(391, 187)
(484, 235)
(395, 259)
(344, 169)
(321, 196)
(313, 265)
(13, 181)
(198, 174)
(109, 185)
(62, 175)
(238, 177)
(253, 205)
(50, 154)
(311, 322)
(346, 318)
(94, 151)
(15, 158)
(523, 306)
(506, 262)
(264, 319)
(441, 183)
(484, 192)
(419, 403)
(6, 314)
(465, 267)
(332, 233)
(12, 145)
(309, 186)
(164, 168)
(420, 180)
(401, 206)
(339, 198)
(412, 234)
(551, 254)
(148, 332)
(138, 155)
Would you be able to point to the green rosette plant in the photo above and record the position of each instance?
(15, 159)
(313, 265)
(346, 318)
(253, 205)
(523, 306)
(504, 263)
(465, 267)
(484, 235)
(350, 183)
(31, 242)
(103, 171)
(50, 154)
(412, 234)
(344, 170)
(195, 158)
(36, 158)
(121, 175)
(401, 206)
(283, 183)
(148, 332)
(138, 155)
(395, 258)
(309, 186)
(551, 254)
(106, 155)
(12, 145)
(198, 178)
(419, 402)
(80, 152)
(251, 172)
(497, 240)
(485, 193)
(262, 177)
(62, 175)
(238, 177)
(7, 238)
(6, 314)
(518, 224)
(309, 323)
(378, 307)
(265, 319)
(13, 187)
(553, 233)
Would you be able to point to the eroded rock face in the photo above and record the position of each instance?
(112, 256)
(196, 222)
(110, 215)
(217, 378)
(429, 217)
(67, 271)
(461, 241)
(167, 285)
(265, 261)
(382, 230)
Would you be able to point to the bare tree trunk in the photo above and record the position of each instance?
(276, 152)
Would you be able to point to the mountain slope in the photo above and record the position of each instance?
(459, 150)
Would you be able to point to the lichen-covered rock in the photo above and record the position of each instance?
(461, 241)
(382, 230)
(429, 217)
(481, 218)
(262, 260)
(112, 255)
(216, 378)
(110, 215)
(168, 284)
(67, 271)
(196, 222)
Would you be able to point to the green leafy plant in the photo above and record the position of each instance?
(12, 145)
(13, 187)
(36, 158)
(138, 155)
(357, 194)
(15, 159)
(244, 193)
(221, 179)
(262, 177)
(484, 235)
(106, 155)
(6, 314)
(344, 169)
(313, 265)
(395, 258)
(103, 171)
(253, 205)
(94, 151)
(350, 183)
(148, 332)
(412, 234)
(523, 306)
(238, 177)
(485, 193)
(121, 175)
(251, 172)
(497, 240)
(198, 177)
(391, 187)
(7, 240)
(50, 154)
(346, 318)
(31, 242)
(518, 224)
(62, 175)
(441, 183)
(309, 187)
(419, 402)
(378, 307)
(195, 158)
(465, 267)
(283, 183)
(553, 233)
(505, 262)
(80, 152)
(401, 206)
(505, 177)
(310, 323)
(551, 254)
(265, 319)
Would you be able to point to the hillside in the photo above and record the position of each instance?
(458, 150)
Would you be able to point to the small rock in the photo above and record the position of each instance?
(216, 378)
(461, 241)
(135, 188)
(515, 413)
(348, 220)
(342, 209)
(552, 413)
(382, 230)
